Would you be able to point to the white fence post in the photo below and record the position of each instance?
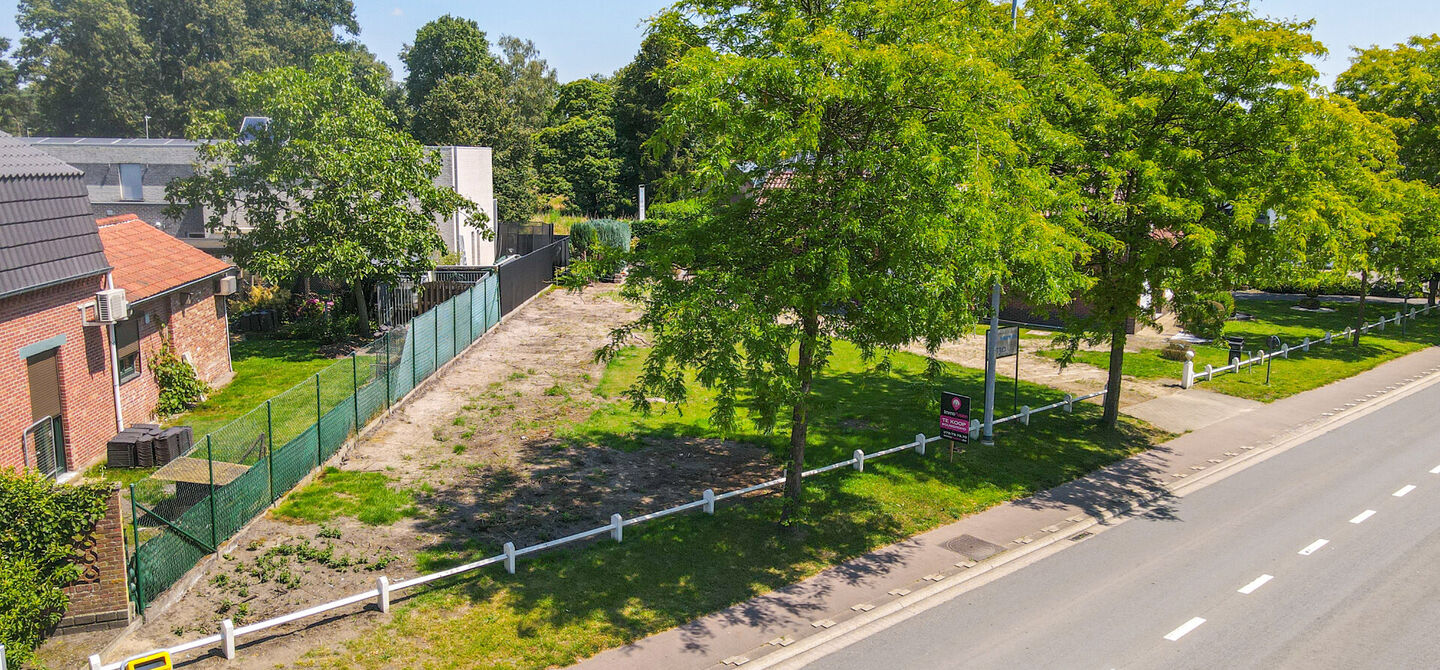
(974, 429)
(227, 638)
(1285, 351)
(1187, 375)
(859, 457)
(1306, 344)
(382, 584)
(1070, 401)
(920, 443)
(708, 495)
(1327, 337)
(95, 663)
(1025, 414)
(1234, 364)
(510, 557)
(617, 527)
(1209, 372)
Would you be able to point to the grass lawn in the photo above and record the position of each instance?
(263, 369)
(367, 496)
(1303, 370)
(570, 604)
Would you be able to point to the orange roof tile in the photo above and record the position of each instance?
(149, 262)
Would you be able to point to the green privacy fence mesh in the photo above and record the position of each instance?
(184, 510)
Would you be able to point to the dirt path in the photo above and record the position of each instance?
(478, 452)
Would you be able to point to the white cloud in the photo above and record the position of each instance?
(397, 12)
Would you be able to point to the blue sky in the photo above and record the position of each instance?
(582, 37)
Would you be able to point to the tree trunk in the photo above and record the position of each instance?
(800, 419)
(1434, 284)
(1112, 383)
(1360, 310)
(362, 307)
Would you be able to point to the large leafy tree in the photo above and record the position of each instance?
(860, 181)
(1176, 116)
(640, 98)
(1403, 83)
(444, 47)
(90, 65)
(575, 155)
(17, 105)
(328, 188)
(100, 67)
(530, 82)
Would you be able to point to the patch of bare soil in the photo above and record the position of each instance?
(479, 450)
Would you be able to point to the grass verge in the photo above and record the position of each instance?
(366, 496)
(1303, 370)
(570, 604)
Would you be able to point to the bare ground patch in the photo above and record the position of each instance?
(478, 452)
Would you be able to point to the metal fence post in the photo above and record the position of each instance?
(387, 369)
(454, 327)
(210, 462)
(414, 354)
(270, 449)
(319, 443)
(355, 390)
(470, 323)
(139, 572)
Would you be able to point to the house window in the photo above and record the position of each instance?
(127, 349)
(130, 174)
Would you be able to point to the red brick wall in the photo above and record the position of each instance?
(100, 599)
(197, 326)
(86, 400)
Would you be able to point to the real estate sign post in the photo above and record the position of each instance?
(954, 419)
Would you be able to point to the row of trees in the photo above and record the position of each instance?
(871, 168)
(99, 68)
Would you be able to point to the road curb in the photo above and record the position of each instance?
(800, 652)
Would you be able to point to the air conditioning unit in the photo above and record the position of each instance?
(110, 306)
(228, 285)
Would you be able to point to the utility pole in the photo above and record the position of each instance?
(988, 436)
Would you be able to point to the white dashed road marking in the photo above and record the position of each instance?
(1361, 517)
(1403, 490)
(1184, 629)
(1313, 547)
(1435, 470)
(1259, 582)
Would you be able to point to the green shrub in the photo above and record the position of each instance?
(613, 234)
(44, 523)
(180, 387)
(1205, 315)
(582, 238)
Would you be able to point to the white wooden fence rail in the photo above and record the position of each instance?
(384, 590)
(1189, 376)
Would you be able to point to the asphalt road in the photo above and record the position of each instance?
(1322, 556)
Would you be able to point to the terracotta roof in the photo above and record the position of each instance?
(149, 262)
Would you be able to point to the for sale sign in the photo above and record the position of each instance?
(955, 417)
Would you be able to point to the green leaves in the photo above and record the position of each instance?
(328, 188)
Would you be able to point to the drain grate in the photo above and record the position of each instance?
(973, 548)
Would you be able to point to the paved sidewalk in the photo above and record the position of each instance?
(750, 630)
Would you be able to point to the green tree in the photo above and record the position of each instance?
(17, 105)
(1175, 118)
(101, 67)
(474, 110)
(328, 188)
(90, 66)
(1403, 82)
(529, 81)
(859, 182)
(640, 97)
(575, 154)
(444, 47)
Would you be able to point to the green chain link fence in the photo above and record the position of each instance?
(185, 510)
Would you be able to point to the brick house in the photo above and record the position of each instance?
(172, 290)
(60, 391)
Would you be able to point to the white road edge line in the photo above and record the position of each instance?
(1403, 490)
(1435, 470)
(1259, 582)
(1184, 629)
(1361, 517)
(1313, 547)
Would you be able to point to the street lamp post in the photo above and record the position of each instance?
(147, 126)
